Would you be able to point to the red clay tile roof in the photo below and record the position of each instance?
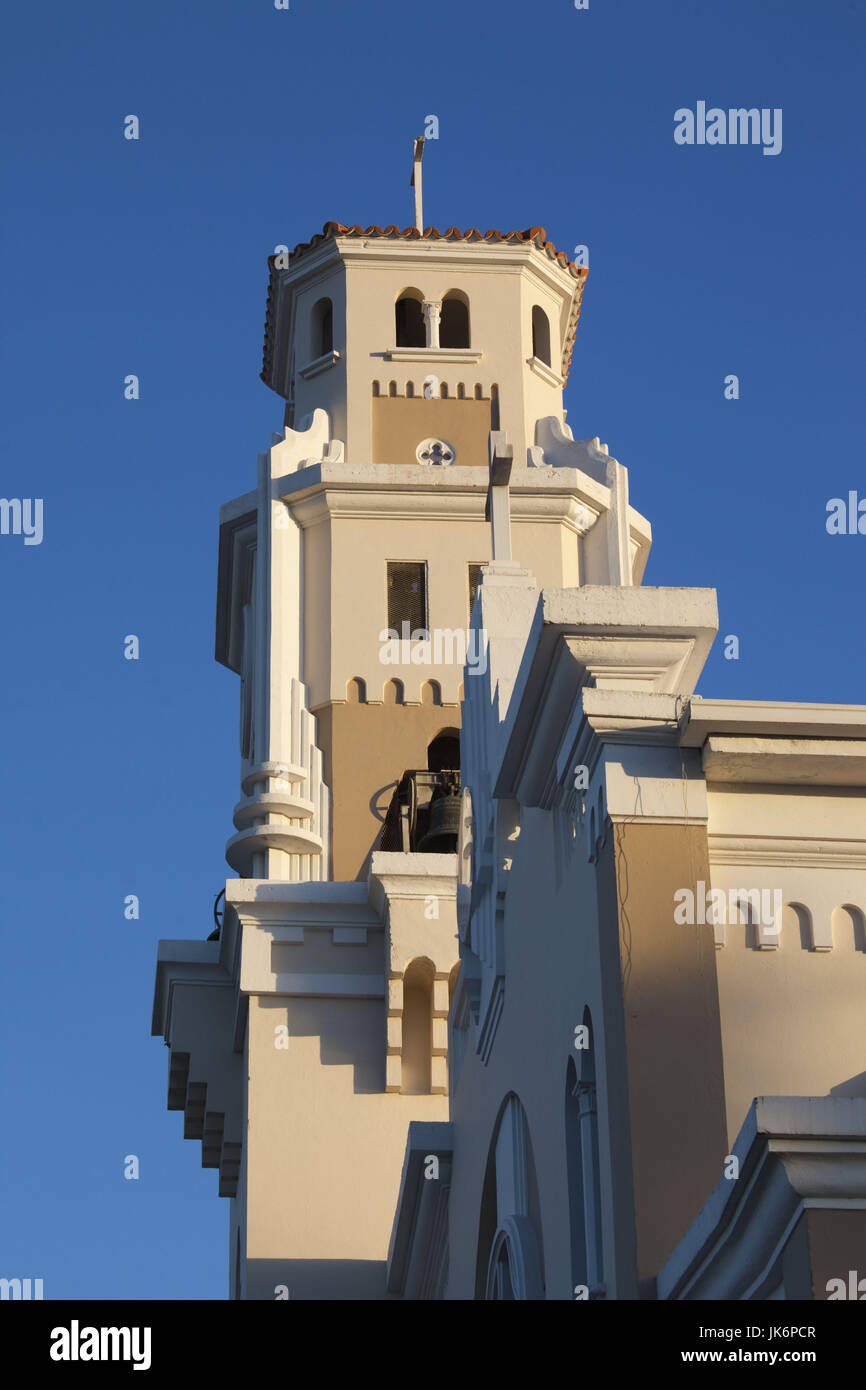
(537, 235)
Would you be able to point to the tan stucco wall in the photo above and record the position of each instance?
(366, 749)
(673, 1035)
(400, 424)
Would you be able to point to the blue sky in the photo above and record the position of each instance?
(148, 257)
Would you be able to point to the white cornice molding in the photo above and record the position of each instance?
(783, 760)
(772, 719)
(454, 255)
(478, 256)
(405, 491)
(786, 851)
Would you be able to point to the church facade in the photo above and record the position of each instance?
(540, 976)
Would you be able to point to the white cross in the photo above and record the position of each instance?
(415, 181)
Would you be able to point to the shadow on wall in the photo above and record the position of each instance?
(348, 1037)
(854, 1087)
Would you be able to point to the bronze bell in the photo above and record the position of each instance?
(444, 824)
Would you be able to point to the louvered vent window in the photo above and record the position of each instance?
(407, 595)
(474, 576)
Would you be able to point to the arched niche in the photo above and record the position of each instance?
(431, 693)
(848, 927)
(393, 693)
(417, 1046)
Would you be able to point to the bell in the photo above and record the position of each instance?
(444, 826)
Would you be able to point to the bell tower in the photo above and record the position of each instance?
(422, 374)
(398, 352)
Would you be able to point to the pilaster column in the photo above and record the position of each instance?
(432, 315)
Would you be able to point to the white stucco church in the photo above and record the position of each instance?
(539, 978)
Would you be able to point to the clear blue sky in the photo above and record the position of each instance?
(148, 257)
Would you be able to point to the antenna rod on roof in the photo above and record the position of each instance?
(415, 181)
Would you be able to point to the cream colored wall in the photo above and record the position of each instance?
(327, 390)
(356, 588)
(791, 1017)
(553, 972)
(500, 290)
(541, 398)
(325, 1143)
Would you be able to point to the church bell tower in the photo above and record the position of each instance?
(424, 451)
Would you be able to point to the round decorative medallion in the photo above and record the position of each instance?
(436, 451)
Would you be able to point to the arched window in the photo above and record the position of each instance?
(409, 320)
(510, 1261)
(540, 335)
(454, 322)
(443, 752)
(581, 1141)
(321, 328)
(417, 1045)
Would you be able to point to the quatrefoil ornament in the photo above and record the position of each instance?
(436, 451)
